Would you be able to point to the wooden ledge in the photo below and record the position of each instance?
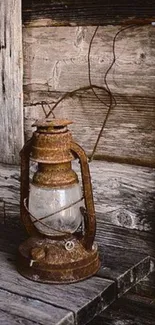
(65, 304)
(129, 310)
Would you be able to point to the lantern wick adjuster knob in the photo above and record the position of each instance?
(69, 245)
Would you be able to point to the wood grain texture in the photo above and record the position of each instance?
(55, 59)
(86, 12)
(121, 265)
(84, 299)
(123, 194)
(129, 310)
(11, 112)
(33, 310)
(7, 319)
(126, 267)
(133, 241)
(122, 254)
(120, 194)
(9, 192)
(136, 241)
(51, 70)
(146, 287)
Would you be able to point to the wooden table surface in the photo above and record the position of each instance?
(26, 302)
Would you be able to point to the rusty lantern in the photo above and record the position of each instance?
(59, 218)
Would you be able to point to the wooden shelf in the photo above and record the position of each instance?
(129, 310)
(66, 304)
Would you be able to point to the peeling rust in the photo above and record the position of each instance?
(46, 258)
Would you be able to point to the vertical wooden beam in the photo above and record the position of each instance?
(11, 74)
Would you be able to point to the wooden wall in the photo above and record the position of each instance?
(55, 62)
(11, 78)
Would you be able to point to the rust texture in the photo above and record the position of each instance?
(47, 258)
(55, 175)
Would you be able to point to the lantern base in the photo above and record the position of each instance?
(50, 261)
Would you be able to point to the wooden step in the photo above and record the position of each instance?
(66, 304)
(129, 310)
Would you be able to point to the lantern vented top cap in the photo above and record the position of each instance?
(52, 125)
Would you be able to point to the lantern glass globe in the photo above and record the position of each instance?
(49, 212)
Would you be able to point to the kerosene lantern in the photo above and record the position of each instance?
(59, 217)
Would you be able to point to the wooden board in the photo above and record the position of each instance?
(9, 192)
(56, 59)
(136, 241)
(86, 12)
(146, 287)
(7, 319)
(130, 310)
(123, 265)
(126, 267)
(123, 194)
(33, 310)
(133, 241)
(11, 102)
(130, 130)
(84, 299)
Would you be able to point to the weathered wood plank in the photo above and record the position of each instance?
(129, 310)
(11, 112)
(126, 267)
(33, 310)
(146, 287)
(84, 299)
(134, 240)
(51, 67)
(9, 192)
(130, 130)
(123, 257)
(118, 237)
(123, 266)
(121, 195)
(129, 133)
(124, 195)
(86, 12)
(7, 319)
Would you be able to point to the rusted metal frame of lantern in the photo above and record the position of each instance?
(89, 216)
(88, 263)
(24, 188)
